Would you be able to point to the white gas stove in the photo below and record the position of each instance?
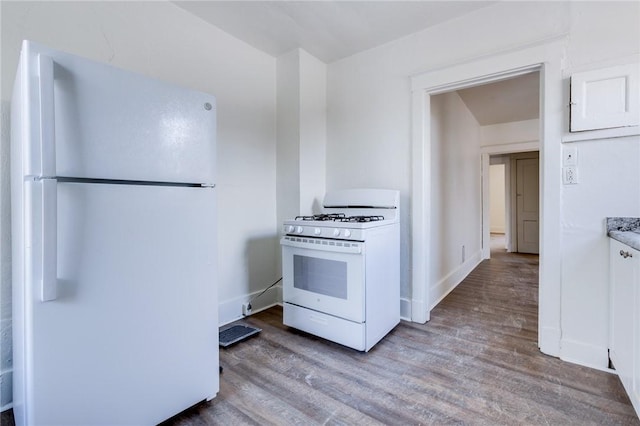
(341, 268)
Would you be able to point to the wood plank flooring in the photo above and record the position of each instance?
(475, 362)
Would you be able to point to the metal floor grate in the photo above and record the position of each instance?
(236, 333)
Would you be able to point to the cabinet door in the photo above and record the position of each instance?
(605, 98)
(624, 329)
(635, 394)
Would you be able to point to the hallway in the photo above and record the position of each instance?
(475, 362)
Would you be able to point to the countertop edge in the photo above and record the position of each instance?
(630, 238)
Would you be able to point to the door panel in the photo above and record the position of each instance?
(134, 329)
(527, 204)
(605, 98)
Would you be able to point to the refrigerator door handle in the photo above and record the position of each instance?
(49, 289)
(47, 116)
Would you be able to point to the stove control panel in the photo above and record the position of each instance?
(325, 232)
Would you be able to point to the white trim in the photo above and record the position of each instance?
(446, 83)
(510, 148)
(231, 310)
(588, 135)
(485, 180)
(503, 52)
(421, 195)
(545, 57)
(583, 354)
(455, 277)
(405, 309)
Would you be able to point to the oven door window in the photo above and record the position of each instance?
(321, 276)
(326, 281)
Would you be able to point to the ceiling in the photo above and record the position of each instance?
(515, 99)
(333, 30)
(328, 30)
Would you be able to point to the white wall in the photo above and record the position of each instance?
(163, 41)
(313, 132)
(301, 134)
(288, 135)
(456, 213)
(602, 34)
(369, 128)
(497, 198)
(369, 96)
(609, 185)
(515, 134)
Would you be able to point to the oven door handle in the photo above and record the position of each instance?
(346, 247)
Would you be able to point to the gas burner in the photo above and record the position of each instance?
(323, 217)
(361, 219)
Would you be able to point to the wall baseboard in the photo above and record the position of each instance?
(405, 309)
(584, 354)
(455, 277)
(549, 340)
(231, 310)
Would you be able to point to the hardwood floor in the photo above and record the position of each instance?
(475, 362)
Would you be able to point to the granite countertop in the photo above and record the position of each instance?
(625, 229)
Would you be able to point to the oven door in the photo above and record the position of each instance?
(324, 275)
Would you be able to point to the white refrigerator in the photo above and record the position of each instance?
(115, 317)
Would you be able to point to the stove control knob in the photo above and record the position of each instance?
(299, 229)
(289, 228)
(347, 233)
(317, 231)
(336, 232)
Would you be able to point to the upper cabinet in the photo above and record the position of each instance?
(605, 98)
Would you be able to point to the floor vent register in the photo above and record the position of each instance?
(236, 333)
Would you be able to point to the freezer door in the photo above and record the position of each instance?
(101, 122)
(132, 335)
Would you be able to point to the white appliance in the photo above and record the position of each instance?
(341, 269)
(114, 244)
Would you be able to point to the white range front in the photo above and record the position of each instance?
(341, 277)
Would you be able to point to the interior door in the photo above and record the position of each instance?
(132, 336)
(527, 204)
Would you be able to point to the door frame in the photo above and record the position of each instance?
(486, 153)
(545, 57)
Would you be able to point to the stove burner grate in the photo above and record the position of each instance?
(323, 217)
(361, 219)
(340, 217)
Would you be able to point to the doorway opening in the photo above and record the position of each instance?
(544, 58)
(513, 200)
(466, 123)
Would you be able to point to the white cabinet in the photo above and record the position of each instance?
(624, 332)
(605, 98)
